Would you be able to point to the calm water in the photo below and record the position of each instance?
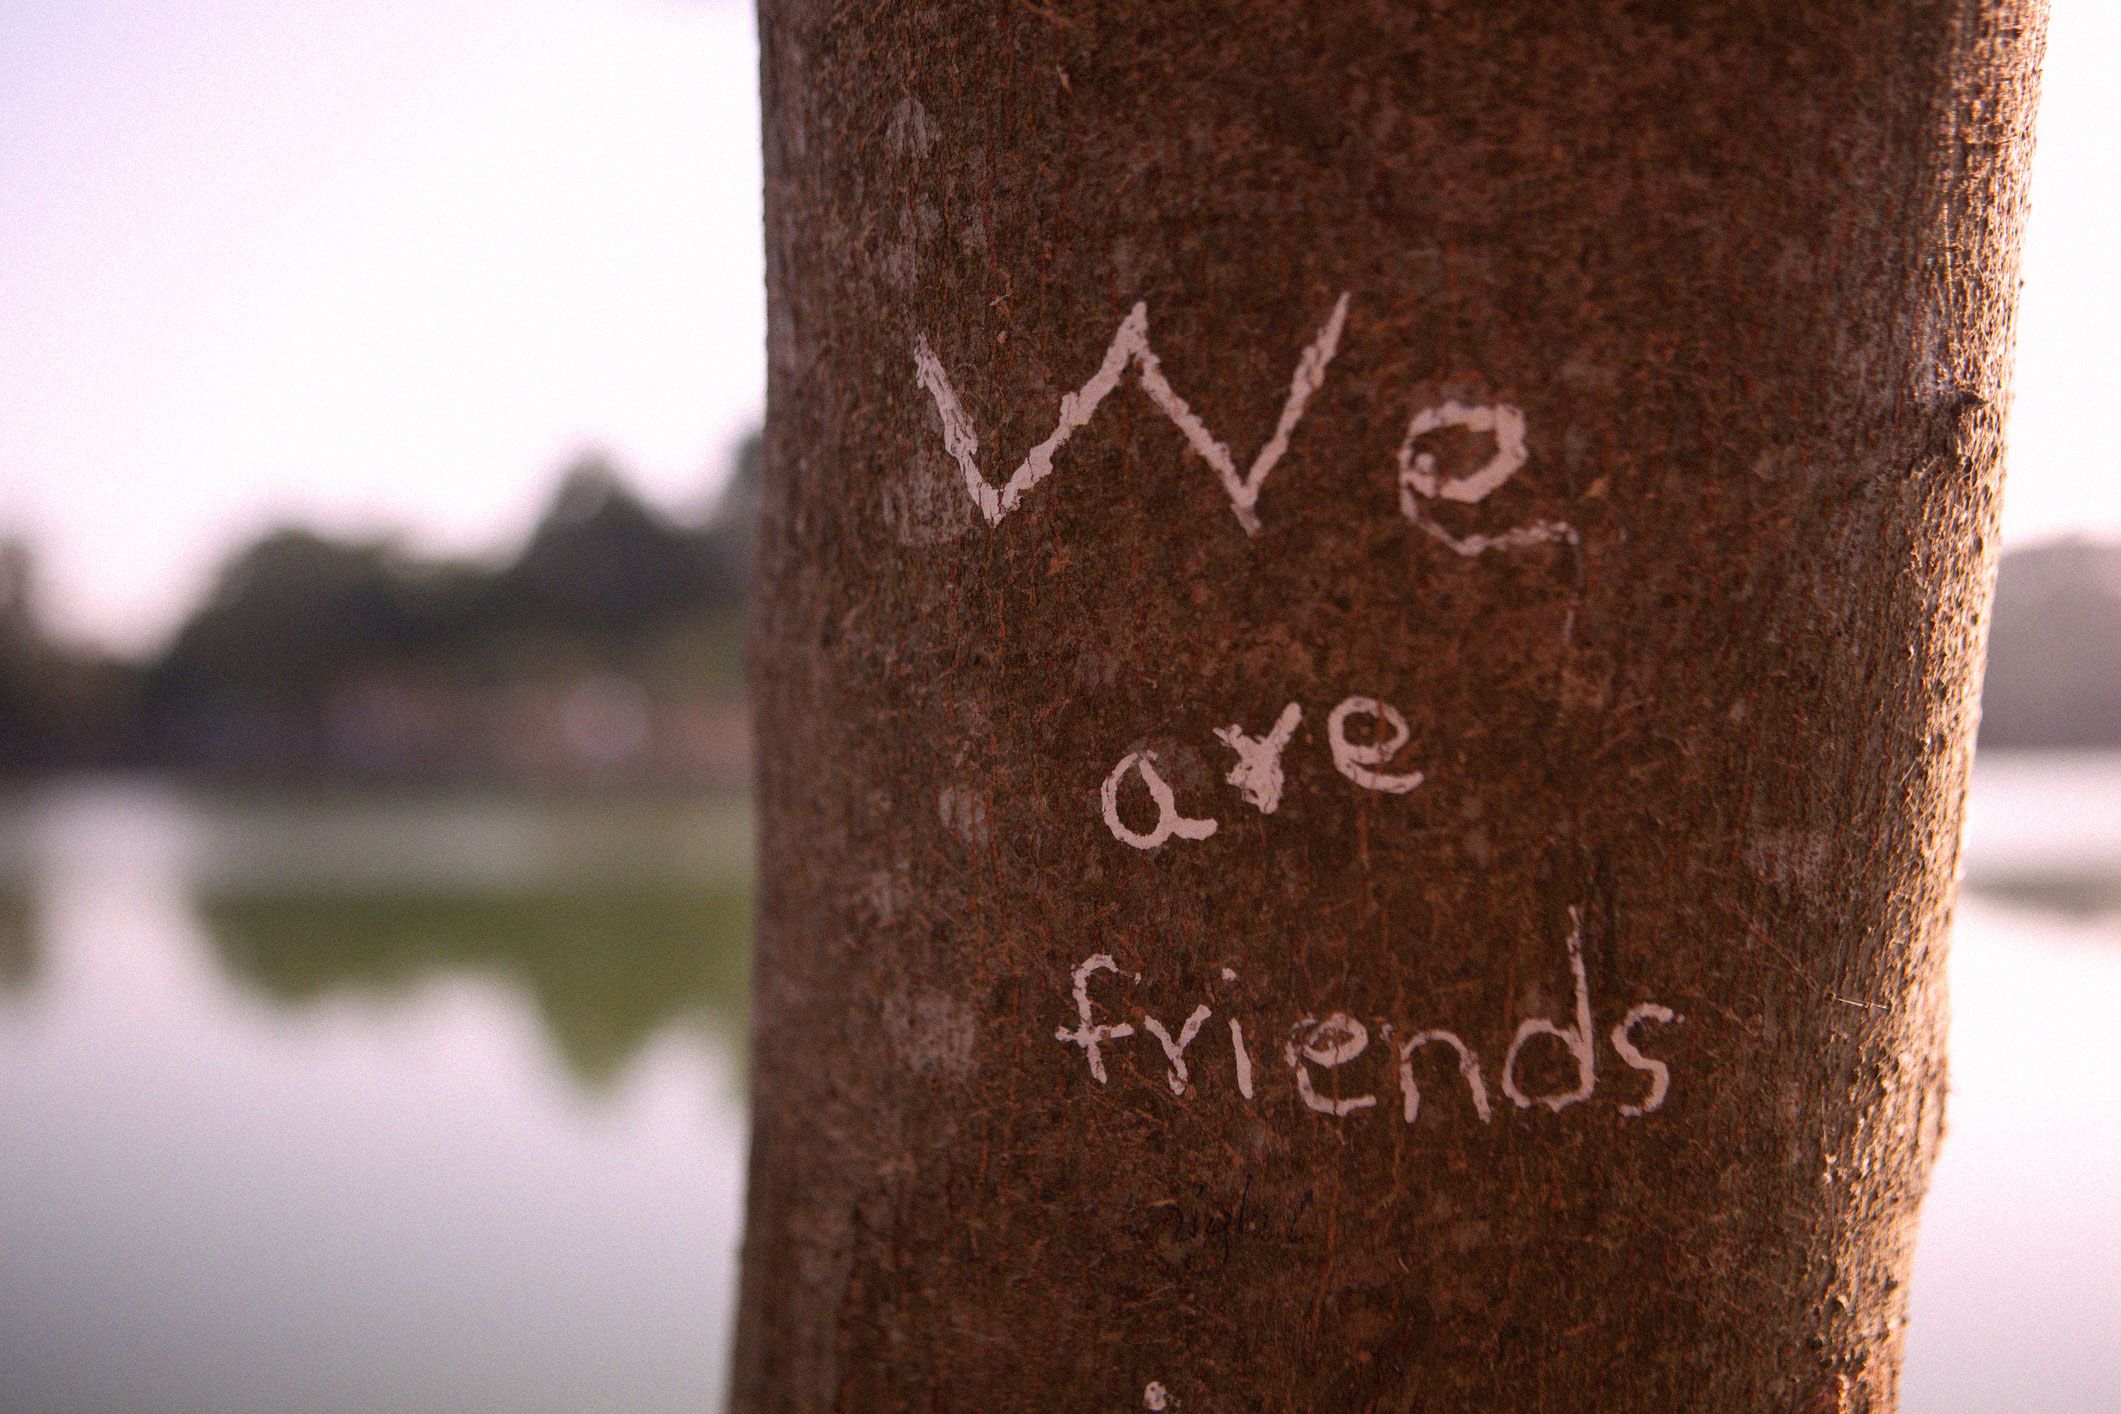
(343, 1108)
(334, 1105)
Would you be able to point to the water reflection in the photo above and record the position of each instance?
(368, 1104)
(2075, 895)
(607, 968)
(18, 943)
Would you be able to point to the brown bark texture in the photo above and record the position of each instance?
(1368, 646)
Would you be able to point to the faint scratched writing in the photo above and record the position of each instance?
(1215, 1227)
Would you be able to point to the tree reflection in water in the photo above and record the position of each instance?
(18, 941)
(607, 964)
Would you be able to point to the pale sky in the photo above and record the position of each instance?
(389, 265)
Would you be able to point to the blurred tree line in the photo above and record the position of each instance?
(608, 649)
(57, 708)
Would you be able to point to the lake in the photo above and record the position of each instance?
(347, 1104)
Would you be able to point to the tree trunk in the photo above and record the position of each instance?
(1365, 667)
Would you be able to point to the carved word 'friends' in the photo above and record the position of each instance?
(1316, 1048)
(1257, 773)
(1420, 481)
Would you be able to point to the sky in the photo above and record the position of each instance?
(388, 267)
(374, 266)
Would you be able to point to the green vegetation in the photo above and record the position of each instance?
(18, 938)
(607, 967)
(607, 650)
(58, 708)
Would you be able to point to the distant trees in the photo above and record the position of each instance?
(316, 653)
(603, 568)
(609, 642)
(58, 707)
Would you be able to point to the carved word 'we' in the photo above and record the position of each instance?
(1421, 482)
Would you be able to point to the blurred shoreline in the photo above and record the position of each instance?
(605, 653)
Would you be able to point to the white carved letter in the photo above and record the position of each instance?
(1417, 470)
(1257, 774)
(1175, 1052)
(1335, 1041)
(1354, 760)
(1244, 1059)
(1420, 481)
(1087, 1035)
(1468, 1066)
(1168, 821)
(1129, 347)
(1660, 1073)
(1577, 1038)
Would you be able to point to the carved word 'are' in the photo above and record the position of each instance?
(1257, 773)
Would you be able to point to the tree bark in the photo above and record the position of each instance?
(1365, 665)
